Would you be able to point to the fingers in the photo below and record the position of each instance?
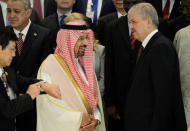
(33, 91)
(86, 119)
(91, 126)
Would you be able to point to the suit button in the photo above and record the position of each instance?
(18, 72)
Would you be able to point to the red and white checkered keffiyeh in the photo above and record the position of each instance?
(66, 41)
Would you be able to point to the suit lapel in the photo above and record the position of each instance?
(124, 30)
(1, 17)
(84, 5)
(145, 51)
(56, 20)
(30, 37)
(45, 7)
(175, 7)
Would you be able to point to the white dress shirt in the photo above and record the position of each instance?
(24, 31)
(147, 39)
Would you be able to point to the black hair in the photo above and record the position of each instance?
(6, 35)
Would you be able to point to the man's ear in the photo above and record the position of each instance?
(29, 12)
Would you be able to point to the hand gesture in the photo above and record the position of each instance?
(51, 89)
(33, 90)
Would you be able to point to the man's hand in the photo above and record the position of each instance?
(90, 124)
(51, 89)
(33, 90)
(86, 119)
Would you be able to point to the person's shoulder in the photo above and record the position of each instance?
(99, 49)
(40, 29)
(50, 17)
(109, 16)
(160, 41)
(185, 30)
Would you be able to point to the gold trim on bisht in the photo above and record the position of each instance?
(67, 70)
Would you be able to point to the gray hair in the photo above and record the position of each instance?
(26, 3)
(145, 10)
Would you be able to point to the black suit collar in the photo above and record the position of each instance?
(30, 37)
(124, 29)
(1, 17)
(45, 7)
(146, 50)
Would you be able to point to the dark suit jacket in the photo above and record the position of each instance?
(158, 6)
(154, 101)
(81, 5)
(34, 17)
(36, 48)
(119, 63)
(50, 7)
(102, 26)
(176, 24)
(9, 109)
(51, 22)
(1, 17)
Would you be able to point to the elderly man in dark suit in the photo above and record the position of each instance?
(33, 47)
(154, 101)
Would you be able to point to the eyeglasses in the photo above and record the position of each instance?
(16, 11)
(12, 50)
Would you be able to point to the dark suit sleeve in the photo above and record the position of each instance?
(24, 82)
(11, 109)
(47, 45)
(110, 93)
(166, 87)
(100, 31)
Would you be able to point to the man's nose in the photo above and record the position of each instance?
(11, 14)
(85, 42)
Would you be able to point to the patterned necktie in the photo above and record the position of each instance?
(166, 10)
(20, 43)
(95, 10)
(62, 20)
(7, 21)
(37, 6)
(139, 53)
(5, 84)
(132, 42)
